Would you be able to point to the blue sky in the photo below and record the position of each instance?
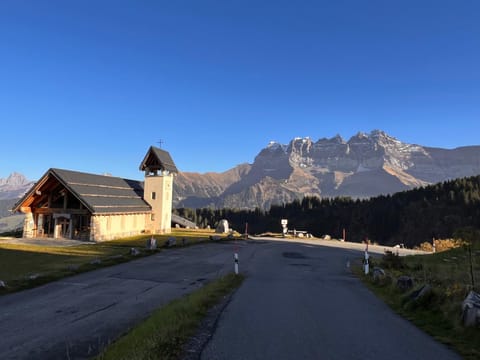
(90, 85)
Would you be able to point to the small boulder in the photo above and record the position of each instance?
(421, 293)
(378, 273)
(222, 227)
(404, 283)
(96, 262)
(134, 251)
(171, 241)
(3, 285)
(471, 309)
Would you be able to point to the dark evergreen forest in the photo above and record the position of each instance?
(410, 217)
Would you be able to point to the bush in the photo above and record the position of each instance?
(441, 245)
(392, 261)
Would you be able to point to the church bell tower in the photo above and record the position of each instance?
(159, 170)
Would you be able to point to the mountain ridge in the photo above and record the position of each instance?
(368, 164)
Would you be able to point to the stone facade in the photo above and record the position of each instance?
(115, 226)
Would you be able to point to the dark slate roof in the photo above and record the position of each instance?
(100, 194)
(104, 194)
(158, 159)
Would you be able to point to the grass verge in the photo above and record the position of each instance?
(164, 333)
(438, 312)
(26, 266)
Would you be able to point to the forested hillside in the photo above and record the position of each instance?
(409, 217)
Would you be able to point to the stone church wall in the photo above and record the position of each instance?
(111, 227)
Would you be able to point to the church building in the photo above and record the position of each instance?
(74, 205)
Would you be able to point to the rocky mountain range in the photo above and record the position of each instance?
(366, 165)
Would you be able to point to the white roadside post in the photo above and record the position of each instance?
(235, 258)
(284, 223)
(366, 260)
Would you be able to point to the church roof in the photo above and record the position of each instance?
(98, 193)
(158, 159)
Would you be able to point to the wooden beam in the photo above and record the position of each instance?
(60, 210)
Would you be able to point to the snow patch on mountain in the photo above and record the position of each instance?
(273, 146)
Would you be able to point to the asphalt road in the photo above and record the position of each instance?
(300, 301)
(76, 317)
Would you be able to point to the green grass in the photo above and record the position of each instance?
(164, 333)
(25, 266)
(439, 313)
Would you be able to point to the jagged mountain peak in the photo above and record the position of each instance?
(379, 133)
(362, 152)
(14, 179)
(337, 139)
(360, 135)
(298, 142)
(275, 146)
(374, 136)
(14, 186)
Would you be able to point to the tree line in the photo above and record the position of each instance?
(410, 217)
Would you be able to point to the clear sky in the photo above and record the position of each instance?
(90, 85)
